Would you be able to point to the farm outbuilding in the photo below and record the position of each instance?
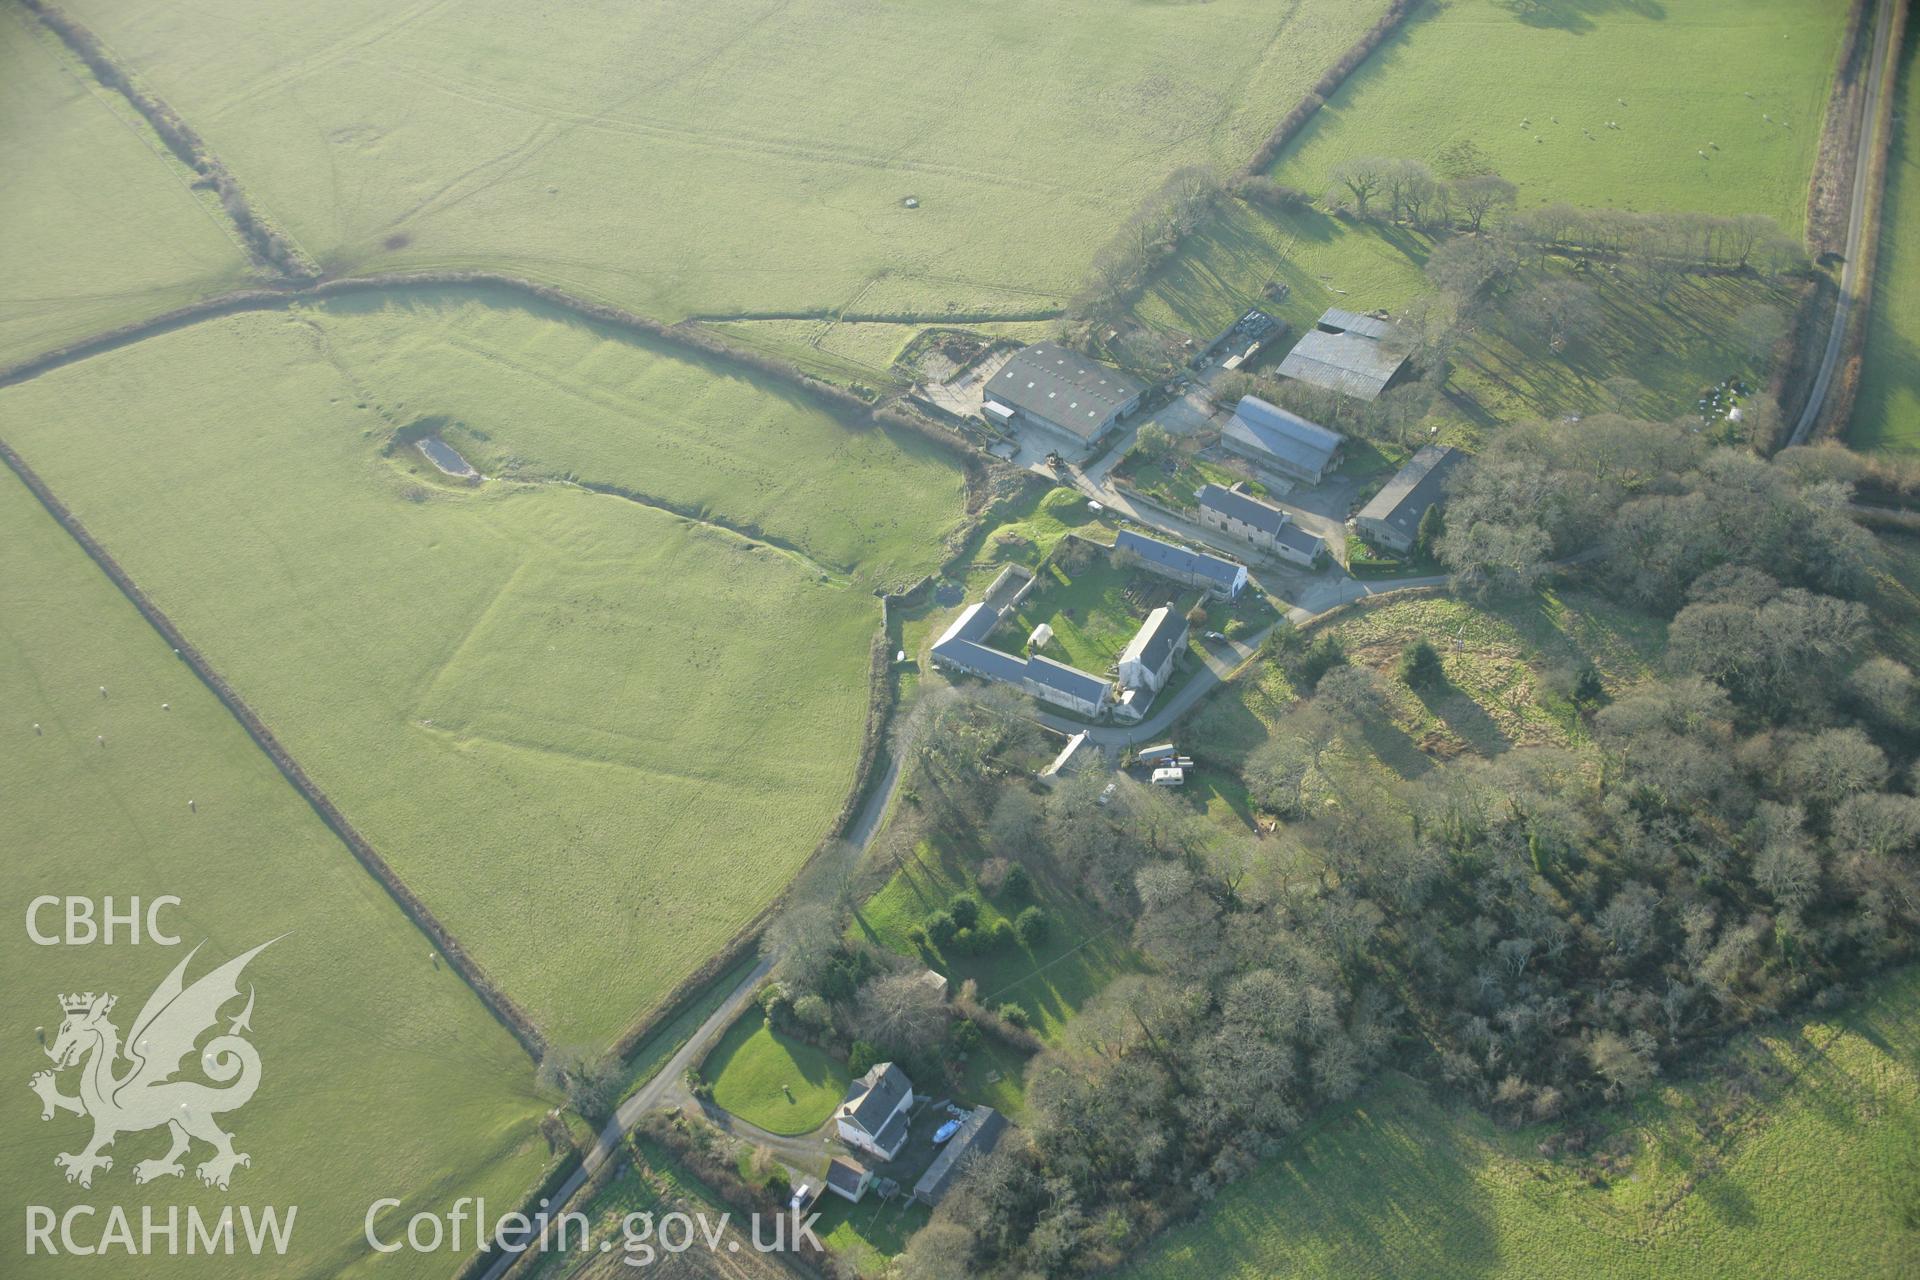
(1069, 397)
(979, 1134)
(1223, 578)
(1347, 352)
(1392, 518)
(1283, 442)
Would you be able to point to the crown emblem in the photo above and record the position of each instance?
(82, 1003)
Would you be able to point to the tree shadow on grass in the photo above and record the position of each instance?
(1578, 17)
(1392, 747)
(1466, 718)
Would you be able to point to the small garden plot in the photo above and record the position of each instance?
(772, 1080)
(1093, 606)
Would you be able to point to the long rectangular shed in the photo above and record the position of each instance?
(1281, 441)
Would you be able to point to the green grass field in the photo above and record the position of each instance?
(779, 1083)
(543, 705)
(540, 394)
(1887, 413)
(382, 1074)
(736, 157)
(1793, 1155)
(1522, 80)
(101, 225)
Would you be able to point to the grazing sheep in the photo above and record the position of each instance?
(36, 729)
(100, 738)
(166, 706)
(103, 691)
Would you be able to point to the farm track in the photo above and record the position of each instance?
(1853, 275)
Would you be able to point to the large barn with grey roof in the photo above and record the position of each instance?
(1282, 442)
(1071, 399)
(1347, 352)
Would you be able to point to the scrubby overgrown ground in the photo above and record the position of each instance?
(1792, 1153)
(383, 1075)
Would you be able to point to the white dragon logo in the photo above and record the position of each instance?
(145, 1096)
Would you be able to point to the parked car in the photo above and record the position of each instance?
(1106, 794)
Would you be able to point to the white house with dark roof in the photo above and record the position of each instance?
(1223, 578)
(1353, 354)
(1238, 514)
(873, 1116)
(1147, 660)
(1392, 517)
(1069, 397)
(1283, 442)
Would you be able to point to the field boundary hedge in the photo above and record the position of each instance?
(270, 247)
(1329, 84)
(475, 975)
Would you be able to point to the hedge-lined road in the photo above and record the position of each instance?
(1850, 270)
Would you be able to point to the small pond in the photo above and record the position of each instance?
(442, 455)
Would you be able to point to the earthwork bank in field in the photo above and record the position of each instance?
(382, 1074)
(741, 156)
(521, 685)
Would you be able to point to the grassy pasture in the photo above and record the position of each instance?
(543, 705)
(382, 1073)
(1887, 413)
(540, 394)
(779, 1083)
(738, 157)
(1522, 79)
(102, 227)
(1793, 1156)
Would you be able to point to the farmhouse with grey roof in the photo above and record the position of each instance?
(1392, 518)
(1239, 514)
(1223, 578)
(979, 1134)
(1346, 352)
(873, 1115)
(1147, 660)
(1066, 395)
(1284, 442)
